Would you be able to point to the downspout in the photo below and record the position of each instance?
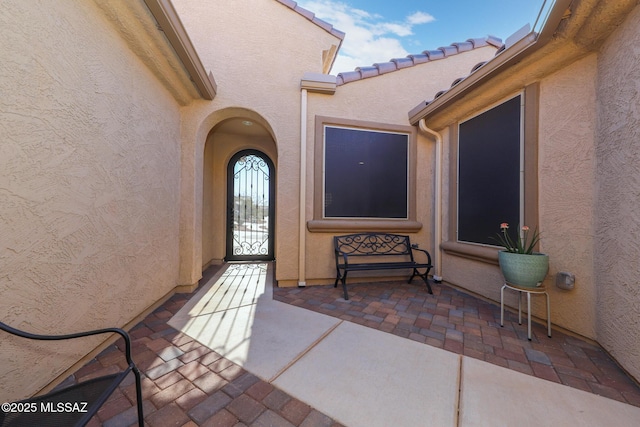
(314, 83)
(302, 231)
(438, 199)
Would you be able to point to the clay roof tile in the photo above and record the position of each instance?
(385, 67)
(396, 64)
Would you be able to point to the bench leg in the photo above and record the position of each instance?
(342, 279)
(344, 286)
(424, 277)
(138, 381)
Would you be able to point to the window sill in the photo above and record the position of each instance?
(480, 253)
(355, 225)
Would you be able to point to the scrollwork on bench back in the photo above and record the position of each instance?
(373, 243)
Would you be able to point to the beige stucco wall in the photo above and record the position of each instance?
(587, 176)
(566, 178)
(89, 189)
(384, 99)
(616, 215)
(258, 51)
(211, 178)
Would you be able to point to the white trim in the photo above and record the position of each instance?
(302, 225)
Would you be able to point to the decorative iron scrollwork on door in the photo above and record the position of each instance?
(250, 210)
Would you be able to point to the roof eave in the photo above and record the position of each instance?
(170, 23)
(332, 52)
(333, 55)
(514, 54)
(318, 83)
(488, 70)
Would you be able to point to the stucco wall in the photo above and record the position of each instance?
(384, 99)
(212, 178)
(89, 189)
(566, 178)
(618, 172)
(258, 52)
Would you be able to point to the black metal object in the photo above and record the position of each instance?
(377, 251)
(250, 196)
(73, 405)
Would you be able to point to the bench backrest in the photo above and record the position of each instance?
(372, 244)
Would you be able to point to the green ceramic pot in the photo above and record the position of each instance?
(524, 270)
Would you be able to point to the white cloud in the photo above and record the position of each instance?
(369, 38)
(401, 30)
(418, 18)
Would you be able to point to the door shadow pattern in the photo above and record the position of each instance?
(185, 383)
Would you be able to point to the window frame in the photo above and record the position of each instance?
(320, 223)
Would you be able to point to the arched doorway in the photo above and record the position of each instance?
(250, 207)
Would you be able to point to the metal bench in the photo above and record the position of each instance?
(377, 251)
(73, 405)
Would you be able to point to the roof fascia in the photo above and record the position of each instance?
(170, 23)
(312, 17)
(318, 83)
(510, 56)
(329, 55)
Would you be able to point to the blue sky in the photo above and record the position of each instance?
(378, 30)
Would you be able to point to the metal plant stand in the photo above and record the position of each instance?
(529, 291)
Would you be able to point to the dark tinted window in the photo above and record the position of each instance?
(489, 173)
(365, 173)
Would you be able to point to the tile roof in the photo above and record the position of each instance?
(415, 59)
(501, 48)
(312, 17)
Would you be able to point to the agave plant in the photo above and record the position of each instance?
(523, 244)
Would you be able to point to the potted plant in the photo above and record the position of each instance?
(519, 264)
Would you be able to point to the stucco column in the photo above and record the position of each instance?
(191, 164)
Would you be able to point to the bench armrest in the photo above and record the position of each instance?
(415, 247)
(344, 256)
(28, 335)
(92, 393)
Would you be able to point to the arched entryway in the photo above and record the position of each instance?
(235, 130)
(250, 207)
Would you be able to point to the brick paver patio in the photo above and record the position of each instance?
(187, 384)
(461, 323)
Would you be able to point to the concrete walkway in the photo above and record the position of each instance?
(363, 377)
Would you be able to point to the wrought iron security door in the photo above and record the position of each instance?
(250, 211)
